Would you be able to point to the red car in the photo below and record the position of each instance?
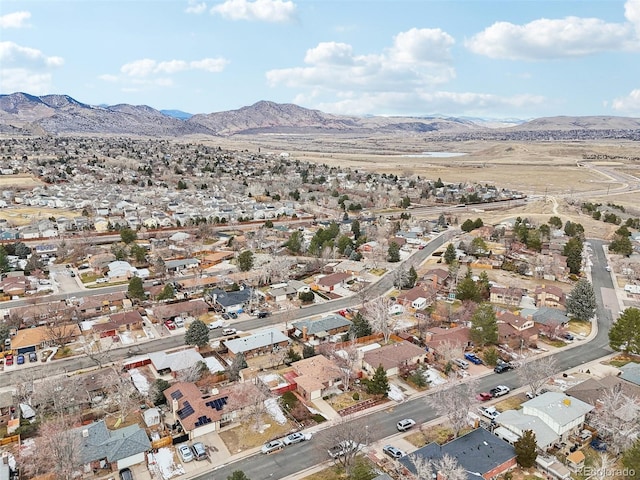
(170, 325)
(483, 396)
(8, 360)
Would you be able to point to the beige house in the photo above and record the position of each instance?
(316, 375)
(392, 357)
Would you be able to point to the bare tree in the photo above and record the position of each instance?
(455, 402)
(601, 468)
(121, 393)
(449, 350)
(55, 396)
(193, 373)
(97, 350)
(345, 441)
(377, 313)
(249, 400)
(617, 418)
(445, 467)
(56, 450)
(535, 373)
(346, 360)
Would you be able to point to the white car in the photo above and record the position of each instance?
(405, 424)
(489, 412)
(294, 438)
(272, 446)
(499, 391)
(228, 331)
(185, 453)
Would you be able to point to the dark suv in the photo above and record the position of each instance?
(125, 474)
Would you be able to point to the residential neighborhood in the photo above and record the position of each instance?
(181, 302)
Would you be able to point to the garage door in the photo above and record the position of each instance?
(130, 461)
(27, 349)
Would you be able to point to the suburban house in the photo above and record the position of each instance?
(631, 372)
(591, 390)
(549, 296)
(173, 362)
(392, 357)
(552, 416)
(231, 301)
(320, 329)
(419, 297)
(330, 282)
(104, 449)
(198, 413)
(97, 304)
(181, 264)
(315, 376)
(436, 278)
(479, 452)
(42, 313)
(547, 316)
(118, 323)
(197, 284)
(437, 338)
(258, 343)
(29, 339)
(191, 308)
(515, 330)
(506, 296)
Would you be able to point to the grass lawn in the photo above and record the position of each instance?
(336, 472)
(579, 327)
(346, 399)
(511, 403)
(622, 359)
(245, 435)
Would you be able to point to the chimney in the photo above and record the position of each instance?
(304, 334)
(215, 391)
(85, 433)
(174, 409)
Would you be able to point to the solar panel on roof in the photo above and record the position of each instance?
(218, 403)
(177, 395)
(185, 411)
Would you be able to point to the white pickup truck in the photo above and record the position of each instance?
(489, 412)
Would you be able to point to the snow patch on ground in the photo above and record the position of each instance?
(273, 407)
(125, 338)
(395, 393)
(140, 381)
(273, 380)
(433, 377)
(163, 462)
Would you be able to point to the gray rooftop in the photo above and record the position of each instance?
(229, 299)
(631, 372)
(323, 324)
(257, 340)
(517, 422)
(478, 452)
(548, 315)
(559, 407)
(175, 361)
(114, 445)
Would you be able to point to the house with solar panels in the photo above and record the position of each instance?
(200, 413)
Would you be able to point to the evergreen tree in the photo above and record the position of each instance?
(379, 383)
(308, 351)
(238, 475)
(624, 334)
(412, 278)
(292, 356)
(127, 235)
(621, 245)
(136, 289)
(484, 286)
(360, 326)
(158, 387)
(581, 303)
(245, 261)
(4, 260)
(355, 229)
(393, 253)
(526, 449)
(167, 292)
(197, 334)
(467, 288)
(294, 244)
(484, 327)
(467, 225)
(573, 252)
(450, 254)
(555, 222)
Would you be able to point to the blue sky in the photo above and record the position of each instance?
(492, 59)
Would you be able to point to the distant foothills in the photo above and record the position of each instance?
(24, 114)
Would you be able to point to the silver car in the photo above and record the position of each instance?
(294, 438)
(272, 446)
(185, 453)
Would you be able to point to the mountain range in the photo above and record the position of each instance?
(24, 114)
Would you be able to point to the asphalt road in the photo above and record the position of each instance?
(382, 424)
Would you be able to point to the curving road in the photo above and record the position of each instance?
(307, 454)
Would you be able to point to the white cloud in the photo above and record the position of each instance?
(146, 67)
(23, 80)
(196, 7)
(416, 60)
(15, 20)
(629, 104)
(276, 11)
(558, 38)
(26, 69)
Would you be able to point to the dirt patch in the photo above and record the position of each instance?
(511, 403)
(345, 400)
(245, 435)
(581, 328)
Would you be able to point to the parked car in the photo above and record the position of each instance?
(499, 391)
(568, 336)
(405, 424)
(294, 438)
(393, 452)
(263, 314)
(272, 446)
(125, 474)
(33, 357)
(199, 451)
(461, 363)
(170, 325)
(484, 396)
(502, 367)
(489, 412)
(233, 315)
(226, 316)
(185, 453)
(8, 360)
(342, 448)
(598, 445)
(473, 358)
(20, 359)
(179, 322)
(228, 331)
